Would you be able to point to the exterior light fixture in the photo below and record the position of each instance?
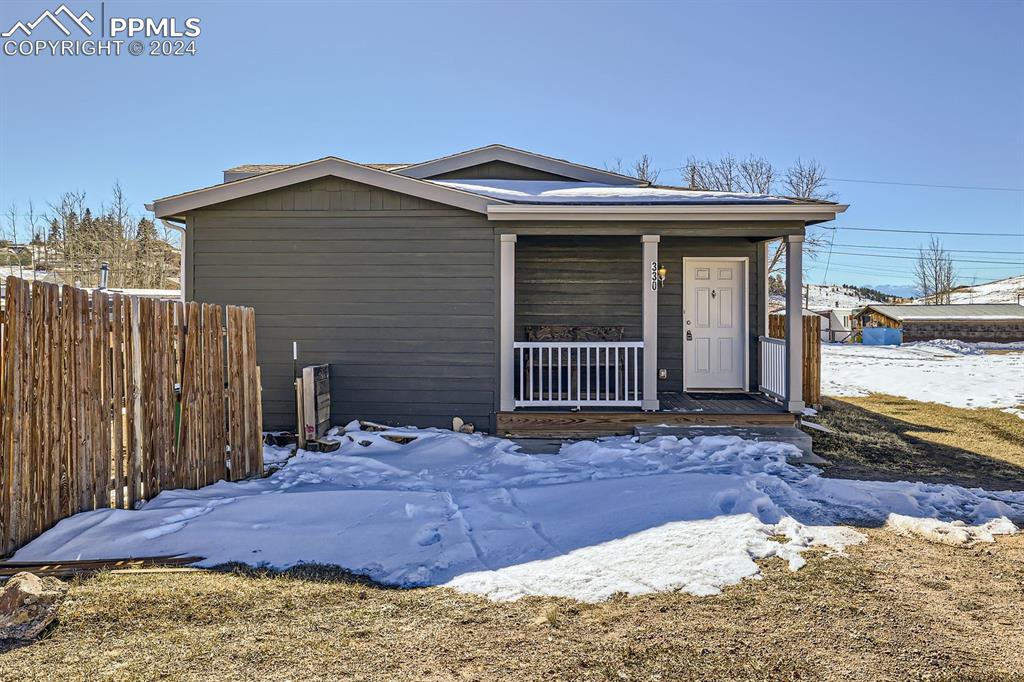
(662, 274)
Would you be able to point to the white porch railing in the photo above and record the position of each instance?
(579, 373)
(773, 367)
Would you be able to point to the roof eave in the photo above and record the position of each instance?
(177, 205)
(810, 213)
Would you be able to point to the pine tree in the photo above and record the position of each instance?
(145, 270)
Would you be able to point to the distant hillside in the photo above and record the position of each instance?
(1000, 291)
(901, 290)
(838, 296)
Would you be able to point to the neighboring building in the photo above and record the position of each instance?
(837, 324)
(505, 287)
(996, 322)
(25, 272)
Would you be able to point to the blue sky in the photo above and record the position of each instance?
(911, 92)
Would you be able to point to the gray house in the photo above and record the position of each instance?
(524, 293)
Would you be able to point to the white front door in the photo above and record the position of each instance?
(714, 329)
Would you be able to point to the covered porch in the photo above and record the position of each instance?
(606, 331)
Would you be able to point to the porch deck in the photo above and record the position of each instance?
(677, 409)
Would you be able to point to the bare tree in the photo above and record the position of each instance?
(757, 175)
(806, 180)
(615, 166)
(12, 232)
(35, 238)
(643, 169)
(65, 231)
(935, 273)
(721, 175)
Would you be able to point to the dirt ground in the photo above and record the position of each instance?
(894, 608)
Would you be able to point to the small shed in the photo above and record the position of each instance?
(994, 322)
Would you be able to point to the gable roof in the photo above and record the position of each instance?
(597, 195)
(953, 311)
(178, 204)
(500, 152)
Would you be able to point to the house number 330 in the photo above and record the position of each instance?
(654, 275)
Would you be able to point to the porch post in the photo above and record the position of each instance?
(507, 326)
(650, 282)
(794, 323)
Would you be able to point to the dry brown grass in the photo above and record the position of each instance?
(893, 609)
(890, 438)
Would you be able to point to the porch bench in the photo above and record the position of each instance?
(545, 380)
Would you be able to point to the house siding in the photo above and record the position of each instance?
(397, 294)
(585, 280)
(499, 170)
(578, 281)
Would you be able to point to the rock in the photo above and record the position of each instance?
(28, 604)
(401, 440)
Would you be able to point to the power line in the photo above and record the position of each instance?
(886, 229)
(914, 248)
(955, 260)
(925, 184)
(828, 262)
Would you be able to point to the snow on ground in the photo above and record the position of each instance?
(829, 296)
(949, 372)
(1000, 291)
(475, 513)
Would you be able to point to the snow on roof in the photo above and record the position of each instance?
(956, 311)
(582, 193)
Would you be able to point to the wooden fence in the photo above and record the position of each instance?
(812, 352)
(90, 414)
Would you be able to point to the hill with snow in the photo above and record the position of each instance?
(820, 296)
(1000, 291)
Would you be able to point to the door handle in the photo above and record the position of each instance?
(689, 334)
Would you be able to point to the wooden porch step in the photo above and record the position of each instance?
(566, 424)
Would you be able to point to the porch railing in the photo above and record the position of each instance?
(579, 373)
(773, 367)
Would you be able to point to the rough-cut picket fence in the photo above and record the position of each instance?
(89, 414)
(812, 352)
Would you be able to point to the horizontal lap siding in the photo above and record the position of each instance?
(596, 281)
(671, 252)
(395, 293)
(578, 281)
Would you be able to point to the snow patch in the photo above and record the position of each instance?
(955, 533)
(476, 513)
(949, 372)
